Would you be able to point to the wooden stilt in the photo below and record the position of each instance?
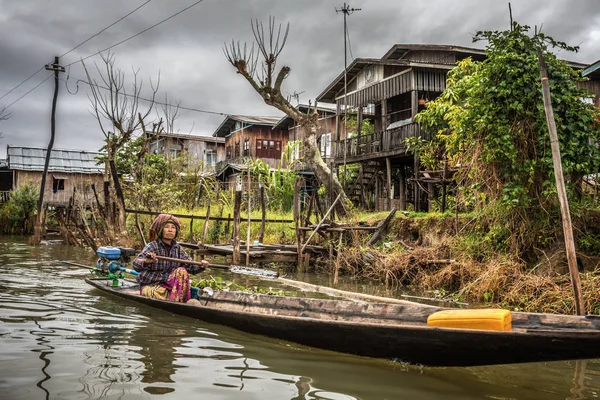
(236, 226)
(263, 209)
(336, 273)
(388, 185)
(402, 188)
(297, 187)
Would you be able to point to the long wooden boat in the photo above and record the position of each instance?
(383, 330)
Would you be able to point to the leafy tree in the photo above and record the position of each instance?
(490, 121)
(16, 214)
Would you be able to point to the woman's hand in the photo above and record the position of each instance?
(150, 258)
(205, 264)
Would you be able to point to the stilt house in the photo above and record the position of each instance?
(68, 170)
(392, 90)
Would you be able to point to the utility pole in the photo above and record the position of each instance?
(346, 10)
(37, 232)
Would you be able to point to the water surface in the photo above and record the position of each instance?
(62, 339)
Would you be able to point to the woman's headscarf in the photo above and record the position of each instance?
(160, 222)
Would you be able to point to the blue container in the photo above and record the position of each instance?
(109, 252)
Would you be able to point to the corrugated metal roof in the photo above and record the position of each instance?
(61, 160)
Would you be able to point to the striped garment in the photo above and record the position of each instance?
(157, 273)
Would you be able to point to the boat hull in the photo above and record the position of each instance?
(396, 332)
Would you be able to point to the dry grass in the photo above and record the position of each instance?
(500, 282)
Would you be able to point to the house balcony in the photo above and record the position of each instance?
(377, 145)
(4, 196)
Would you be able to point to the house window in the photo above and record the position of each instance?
(246, 147)
(228, 152)
(58, 183)
(268, 148)
(211, 158)
(325, 145)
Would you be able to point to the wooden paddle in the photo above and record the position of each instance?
(233, 268)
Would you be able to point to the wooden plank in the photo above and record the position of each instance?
(382, 227)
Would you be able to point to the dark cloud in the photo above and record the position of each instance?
(187, 50)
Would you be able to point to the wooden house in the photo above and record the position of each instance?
(392, 89)
(205, 149)
(67, 170)
(249, 137)
(252, 137)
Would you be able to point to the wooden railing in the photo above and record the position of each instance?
(371, 145)
(4, 196)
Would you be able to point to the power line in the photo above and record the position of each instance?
(79, 45)
(108, 27)
(30, 90)
(137, 34)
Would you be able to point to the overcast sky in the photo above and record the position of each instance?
(187, 50)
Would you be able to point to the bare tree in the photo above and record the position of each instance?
(119, 115)
(170, 113)
(267, 82)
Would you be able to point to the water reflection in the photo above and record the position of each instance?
(42, 341)
(578, 380)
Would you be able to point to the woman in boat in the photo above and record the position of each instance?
(161, 279)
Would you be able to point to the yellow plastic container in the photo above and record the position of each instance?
(486, 319)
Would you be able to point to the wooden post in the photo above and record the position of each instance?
(560, 188)
(361, 180)
(263, 209)
(228, 226)
(416, 185)
(377, 193)
(236, 226)
(249, 192)
(191, 228)
(444, 186)
(359, 121)
(388, 184)
(297, 187)
(430, 197)
(205, 227)
(384, 116)
(402, 188)
(336, 273)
